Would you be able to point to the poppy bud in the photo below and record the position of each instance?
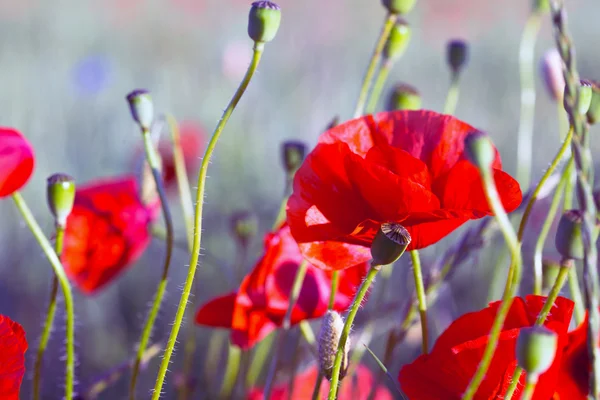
(263, 21)
(541, 6)
(389, 243)
(398, 41)
(329, 339)
(142, 109)
(398, 6)
(593, 113)
(536, 347)
(293, 155)
(480, 150)
(585, 97)
(569, 235)
(60, 197)
(551, 67)
(457, 54)
(403, 97)
(244, 226)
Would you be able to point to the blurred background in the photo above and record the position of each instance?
(66, 66)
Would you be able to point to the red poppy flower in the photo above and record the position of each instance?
(403, 166)
(107, 231)
(259, 306)
(447, 370)
(16, 161)
(357, 387)
(192, 138)
(12, 358)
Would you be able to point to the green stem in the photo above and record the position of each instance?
(154, 163)
(195, 254)
(234, 356)
(295, 292)
(514, 275)
(385, 371)
(50, 313)
(529, 389)
(335, 278)
(390, 20)
(59, 272)
(576, 296)
(382, 76)
(421, 298)
(317, 389)
(452, 96)
(527, 75)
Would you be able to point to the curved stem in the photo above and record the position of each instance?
(514, 277)
(59, 272)
(527, 75)
(195, 254)
(421, 298)
(390, 20)
(382, 75)
(154, 163)
(49, 322)
(452, 96)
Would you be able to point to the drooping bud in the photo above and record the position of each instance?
(398, 41)
(263, 21)
(142, 108)
(244, 226)
(569, 235)
(593, 113)
(536, 348)
(585, 97)
(551, 67)
(541, 6)
(480, 150)
(457, 55)
(398, 6)
(403, 97)
(293, 153)
(60, 197)
(329, 339)
(389, 243)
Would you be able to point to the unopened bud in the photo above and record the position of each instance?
(457, 55)
(329, 339)
(263, 21)
(142, 108)
(244, 226)
(398, 41)
(398, 6)
(569, 235)
(551, 67)
(60, 197)
(536, 348)
(293, 155)
(585, 97)
(541, 6)
(480, 150)
(403, 97)
(593, 113)
(389, 243)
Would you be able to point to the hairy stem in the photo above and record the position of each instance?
(421, 298)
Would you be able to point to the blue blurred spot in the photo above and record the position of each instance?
(91, 74)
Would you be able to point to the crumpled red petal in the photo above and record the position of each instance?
(13, 346)
(16, 161)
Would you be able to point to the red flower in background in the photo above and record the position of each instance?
(16, 161)
(259, 306)
(193, 139)
(353, 388)
(447, 370)
(12, 358)
(403, 166)
(107, 230)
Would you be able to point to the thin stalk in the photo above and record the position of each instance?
(390, 20)
(382, 367)
(317, 389)
(421, 298)
(452, 96)
(49, 322)
(335, 278)
(529, 389)
(514, 277)
(382, 75)
(154, 163)
(234, 355)
(527, 75)
(195, 254)
(59, 272)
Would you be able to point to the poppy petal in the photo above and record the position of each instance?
(218, 312)
(13, 346)
(16, 161)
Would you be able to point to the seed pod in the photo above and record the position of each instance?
(263, 21)
(389, 243)
(398, 41)
(403, 97)
(536, 347)
(293, 153)
(329, 339)
(60, 196)
(398, 6)
(141, 107)
(457, 55)
(480, 150)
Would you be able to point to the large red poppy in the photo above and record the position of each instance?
(357, 387)
(408, 167)
(259, 306)
(12, 358)
(447, 370)
(16, 161)
(107, 231)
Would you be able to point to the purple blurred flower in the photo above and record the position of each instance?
(91, 74)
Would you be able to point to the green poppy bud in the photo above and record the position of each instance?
(398, 6)
(403, 97)
(293, 155)
(389, 244)
(457, 55)
(536, 348)
(569, 235)
(60, 197)
(398, 41)
(328, 341)
(585, 97)
(142, 108)
(263, 21)
(480, 150)
(593, 113)
(244, 226)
